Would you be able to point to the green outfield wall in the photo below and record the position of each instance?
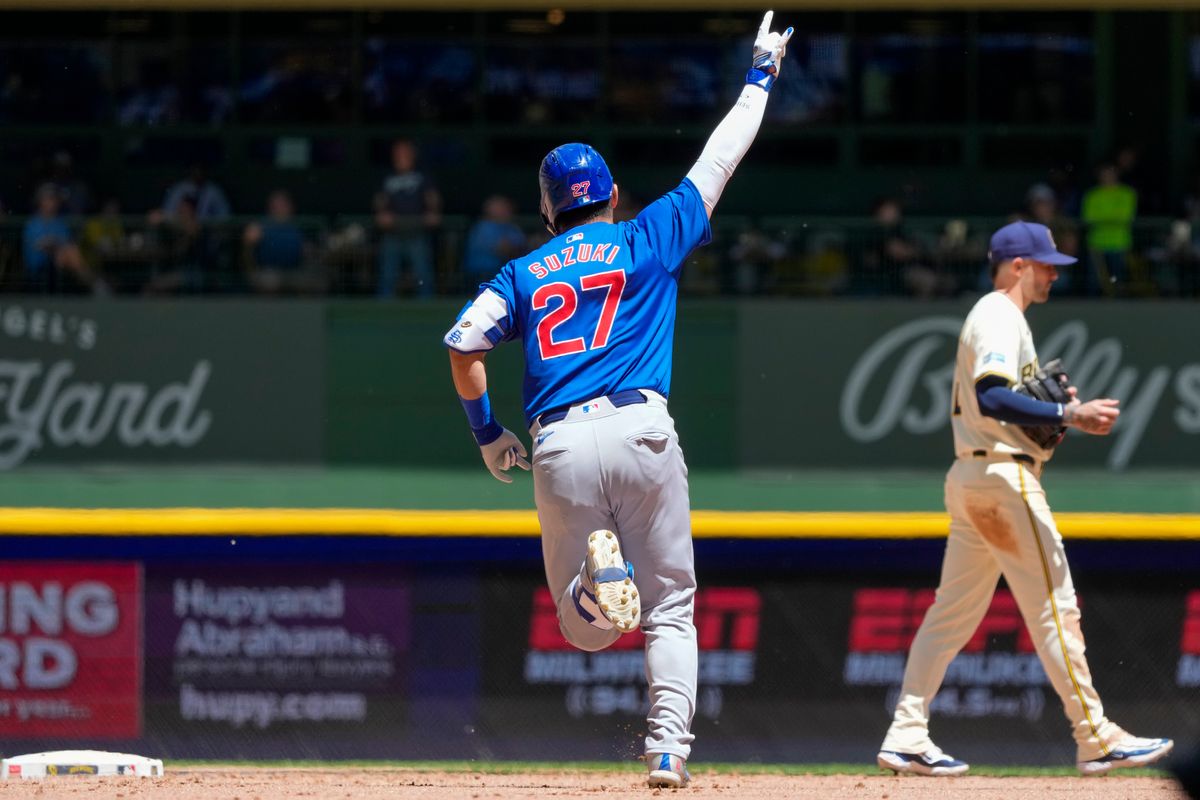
(177, 382)
(773, 385)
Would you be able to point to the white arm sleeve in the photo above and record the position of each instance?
(481, 325)
(728, 143)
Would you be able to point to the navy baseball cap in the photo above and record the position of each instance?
(1026, 240)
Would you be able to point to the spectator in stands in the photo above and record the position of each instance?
(1042, 206)
(1108, 211)
(408, 211)
(958, 253)
(275, 252)
(825, 264)
(206, 198)
(1182, 248)
(152, 96)
(871, 275)
(1062, 181)
(103, 241)
(186, 250)
(104, 233)
(755, 264)
(53, 262)
(74, 197)
(892, 252)
(1191, 201)
(183, 236)
(1177, 259)
(1147, 182)
(492, 241)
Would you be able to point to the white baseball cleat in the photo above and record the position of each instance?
(666, 771)
(932, 762)
(612, 579)
(1132, 751)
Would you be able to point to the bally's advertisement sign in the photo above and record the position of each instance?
(870, 383)
(70, 650)
(137, 381)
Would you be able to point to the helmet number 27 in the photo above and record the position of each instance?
(613, 284)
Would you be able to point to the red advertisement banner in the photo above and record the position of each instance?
(70, 650)
(1189, 639)
(727, 620)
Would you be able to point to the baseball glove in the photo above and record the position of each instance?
(1050, 384)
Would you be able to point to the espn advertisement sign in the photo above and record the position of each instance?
(808, 665)
(1187, 675)
(997, 673)
(540, 697)
(70, 650)
(613, 680)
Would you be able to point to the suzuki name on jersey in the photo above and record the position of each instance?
(605, 252)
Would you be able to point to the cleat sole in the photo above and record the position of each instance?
(618, 600)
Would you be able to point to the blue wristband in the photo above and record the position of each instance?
(759, 78)
(479, 415)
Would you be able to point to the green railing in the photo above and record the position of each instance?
(785, 255)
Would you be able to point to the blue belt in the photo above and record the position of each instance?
(628, 397)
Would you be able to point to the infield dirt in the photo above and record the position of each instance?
(208, 783)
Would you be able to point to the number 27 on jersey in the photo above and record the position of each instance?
(612, 283)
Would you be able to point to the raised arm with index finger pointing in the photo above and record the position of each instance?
(733, 137)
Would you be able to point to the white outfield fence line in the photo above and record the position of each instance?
(523, 523)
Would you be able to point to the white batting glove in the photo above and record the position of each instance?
(502, 454)
(769, 50)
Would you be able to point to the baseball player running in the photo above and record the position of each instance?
(595, 309)
(1000, 523)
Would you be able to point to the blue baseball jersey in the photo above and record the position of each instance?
(595, 306)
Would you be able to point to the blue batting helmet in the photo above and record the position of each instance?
(572, 176)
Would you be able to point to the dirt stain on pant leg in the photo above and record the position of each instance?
(1074, 633)
(992, 524)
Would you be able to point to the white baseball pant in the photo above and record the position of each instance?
(621, 469)
(1000, 524)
